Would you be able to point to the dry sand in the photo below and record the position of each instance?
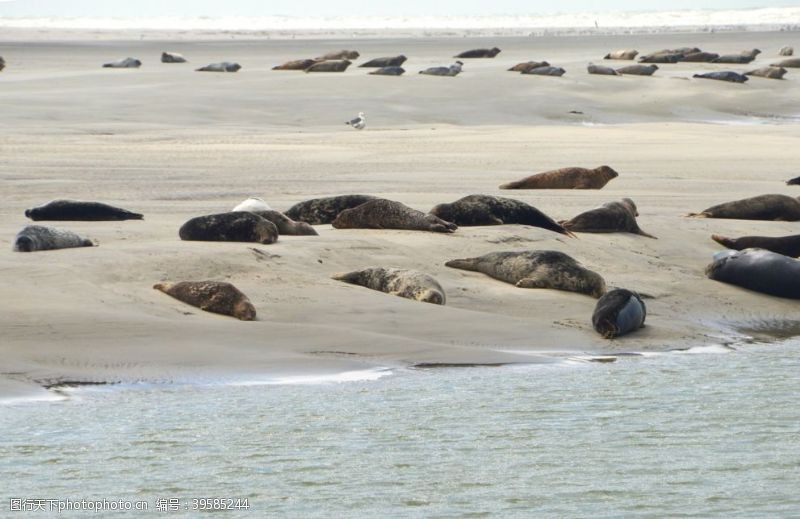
(173, 144)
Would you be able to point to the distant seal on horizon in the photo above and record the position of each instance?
(601, 70)
(623, 54)
(240, 226)
(388, 71)
(218, 297)
(172, 57)
(388, 214)
(746, 56)
(536, 269)
(768, 72)
(545, 71)
(786, 51)
(286, 226)
(610, 217)
(340, 55)
(786, 245)
(699, 57)
(329, 66)
(638, 70)
(297, 64)
(389, 61)
(566, 178)
(253, 204)
(225, 66)
(788, 63)
(34, 238)
(528, 65)
(494, 210)
(479, 53)
(724, 75)
(76, 210)
(410, 284)
(759, 270)
(618, 312)
(320, 211)
(762, 207)
(452, 70)
(124, 63)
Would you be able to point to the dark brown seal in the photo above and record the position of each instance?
(528, 65)
(388, 214)
(566, 178)
(410, 284)
(479, 53)
(286, 226)
(241, 226)
(762, 207)
(319, 211)
(297, 64)
(700, 57)
(786, 245)
(211, 296)
(611, 217)
(75, 210)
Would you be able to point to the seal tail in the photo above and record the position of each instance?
(723, 240)
(646, 235)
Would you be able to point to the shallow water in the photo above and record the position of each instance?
(715, 433)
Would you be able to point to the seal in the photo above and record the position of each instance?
(618, 312)
(699, 57)
(74, 210)
(528, 65)
(494, 210)
(724, 75)
(665, 57)
(786, 51)
(452, 70)
(286, 226)
(762, 207)
(546, 71)
(225, 66)
(759, 270)
(611, 217)
(252, 204)
(172, 57)
(536, 269)
(298, 64)
(329, 66)
(788, 63)
(768, 72)
(786, 245)
(391, 61)
(388, 71)
(479, 53)
(388, 214)
(38, 237)
(600, 70)
(793, 181)
(2, 63)
(745, 56)
(211, 296)
(624, 54)
(320, 211)
(638, 70)
(339, 55)
(566, 178)
(411, 284)
(124, 63)
(241, 226)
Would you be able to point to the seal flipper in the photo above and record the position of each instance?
(531, 283)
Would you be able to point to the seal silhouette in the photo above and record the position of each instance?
(407, 283)
(566, 178)
(611, 217)
(618, 312)
(38, 238)
(239, 226)
(762, 207)
(494, 210)
(320, 211)
(391, 61)
(786, 245)
(76, 210)
(759, 270)
(388, 214)
(479, 53)
(211, 296)
(536, 269)
(2, 63)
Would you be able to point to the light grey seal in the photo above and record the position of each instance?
(479, 53)
(746, 56)
(242, 226)
(536, 269)
(329, 66)
(225, 66)
(638, 70)
(211, 296)
(618, 312)
(611, 217)
(124, 63)
(410, 284)
(320, 211)
(624, 54)
(788, 63)
(566, 178)
(786, 245)
(768, 72)
(75, 210)
(600, 70)
(391, 61)
(38, 237)
(528, 65)
(452, 70)
(759, 270)
(724, 75)
(298, 64)
(762, 207)
(786, 51)
(388, 214)
(340, 55)
(286, 226)
(172, 57)
(545, 71)
(388, 71)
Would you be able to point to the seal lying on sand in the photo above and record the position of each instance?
(124, 63)
(388, 71)
(225, 66)
(2, 63)
(661, 58)
(391, 61)
(786, 51)
(452, 70)
(252, 204)
(339, 54)
(610, 217)
(286, 226)
(172, 57)
(410, 284)
(528, 65)
(745, 57)
(546, 71)
(768, 72)
(329, 66)
(638, 70)
(600, 70)
(536, 269)
(762, 207)
(211, 296)
(624, 54)
(786, 245)
(494, 210)
(793, 181)
(38, 237)
(319, 211)
(76, 210)
(479, 53)
(699, 57)
(757, 269)
(388, 214)
(618, 312)
(234, 226)
(724, 75)
(298, 64)
(788, 63)
(566, 178)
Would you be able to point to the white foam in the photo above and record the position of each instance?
(328, 378)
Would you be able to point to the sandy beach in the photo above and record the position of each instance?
(173, 144)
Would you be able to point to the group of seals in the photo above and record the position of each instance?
(618, 312)
(241, 226)
(38, 237)
(494, 210)
(566, 178)
(74, 210)
(225, 66)
(611, 217)
(762, 207)
(321, 211)
(211, 296)
(410, 284)
(388, 214)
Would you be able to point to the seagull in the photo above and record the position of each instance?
(359, 122)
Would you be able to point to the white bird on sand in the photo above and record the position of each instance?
(359, 122)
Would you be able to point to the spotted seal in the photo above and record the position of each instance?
(566, 178)
(76, 210)
(452, 70)
(618, 312)
(320, 211)
(410, 284)
(762, 207)
(494, 210)
(211, 296)
(237, 226)
(38, 237)
(759, 270)
(611, 217)
(388, 214)
(786, 245)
